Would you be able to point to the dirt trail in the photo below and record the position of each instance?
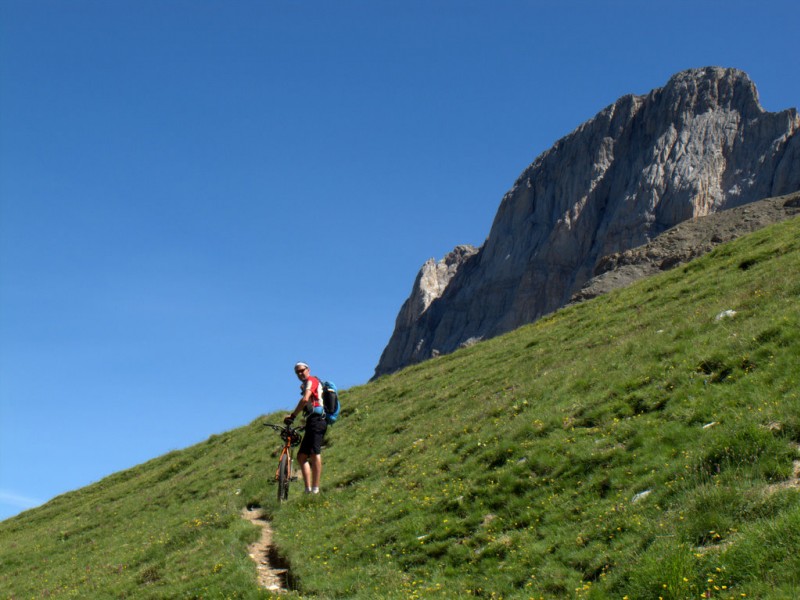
(273, 573)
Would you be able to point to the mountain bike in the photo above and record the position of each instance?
(283, 476)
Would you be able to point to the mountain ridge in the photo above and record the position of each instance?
(684, 242)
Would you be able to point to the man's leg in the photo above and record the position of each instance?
(305, 468)
(316, 470)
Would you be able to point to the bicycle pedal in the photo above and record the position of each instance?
(293, 478)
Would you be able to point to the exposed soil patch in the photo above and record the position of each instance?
(273, 571)
(793, 483)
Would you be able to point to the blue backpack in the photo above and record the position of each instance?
(330, 400)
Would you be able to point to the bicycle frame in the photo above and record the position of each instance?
(283, 475)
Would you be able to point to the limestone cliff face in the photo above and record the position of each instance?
(700, 144)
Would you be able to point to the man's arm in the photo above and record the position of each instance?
(302, 403)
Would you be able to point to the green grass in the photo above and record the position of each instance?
(628, 446)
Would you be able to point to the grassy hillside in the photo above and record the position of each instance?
(635, 446)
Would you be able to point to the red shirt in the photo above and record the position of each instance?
(316, 397)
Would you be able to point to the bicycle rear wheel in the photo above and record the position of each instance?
(283, 478)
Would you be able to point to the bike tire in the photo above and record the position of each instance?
(283, 478)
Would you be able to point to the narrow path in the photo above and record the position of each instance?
(272, 572)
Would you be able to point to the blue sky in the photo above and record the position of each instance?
(195, 195)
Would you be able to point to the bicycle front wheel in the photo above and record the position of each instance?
(283, 478)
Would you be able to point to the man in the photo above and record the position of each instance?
(309, 455)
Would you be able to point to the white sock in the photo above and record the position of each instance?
(315, 490)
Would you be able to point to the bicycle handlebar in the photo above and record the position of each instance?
(284, 427)
(287, 431)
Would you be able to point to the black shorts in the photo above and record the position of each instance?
(311, 443)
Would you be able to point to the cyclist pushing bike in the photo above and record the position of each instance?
(310, 404)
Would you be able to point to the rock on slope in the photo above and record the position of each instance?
(699, 145)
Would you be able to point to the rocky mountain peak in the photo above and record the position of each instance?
(698, 145)
(697, 91)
